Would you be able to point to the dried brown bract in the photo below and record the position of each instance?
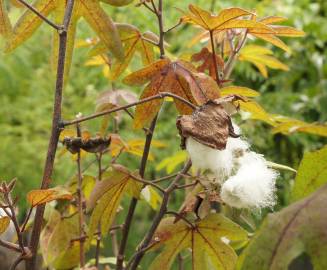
(91, 145)
(210, 124)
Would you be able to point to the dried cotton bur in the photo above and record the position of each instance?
(241, 176)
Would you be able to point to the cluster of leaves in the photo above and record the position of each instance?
(213, 239)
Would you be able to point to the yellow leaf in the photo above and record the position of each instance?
(5, 25)
(256, 111)
(273, 40)
(272, 19)
(238, 90)
(106, 196)
(261, 57)
(278, 31)
(286, 31)
(151, 196)
(170, 163)
(288, 126)
(58, 14)
(210, 21)
(102, 24)
(41, 196)
(4, 224)
(28, 23)
(118, 3)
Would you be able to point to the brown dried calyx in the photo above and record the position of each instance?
(210, 124)
(91, 145)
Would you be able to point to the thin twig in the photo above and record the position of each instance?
(154, 6)
(173, 27)
(143, 250)
(45, 19)
(179, 216)
(232, 58)
(148, 140)
(23, 227)
(214, 58)
(147, 183)
(18, 260)
(99, 235)
(55, 132)
(187, 185)
(148, 7)
(13, 217)
(80, 204)
(180, 261)
(158, 180)
(162, 211)
(10, 246)
(132, 206)
(158, 96)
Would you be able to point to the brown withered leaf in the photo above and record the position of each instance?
(210, 124)
(91, 145)
(178, 77)
(207, 62)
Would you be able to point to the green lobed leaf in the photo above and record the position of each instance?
(205, 239)
(312, 174)
(283, 236)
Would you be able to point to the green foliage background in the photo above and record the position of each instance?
(27, 83)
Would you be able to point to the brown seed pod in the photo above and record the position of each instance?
(210, 124)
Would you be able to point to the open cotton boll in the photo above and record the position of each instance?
(237, 144)
(203, 157)
(253, 186)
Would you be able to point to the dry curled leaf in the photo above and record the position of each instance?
(205, 56)
(210, 124)
(177, 77)
(91, 145)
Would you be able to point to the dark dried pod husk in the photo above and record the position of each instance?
(209, 124)
(91, 145)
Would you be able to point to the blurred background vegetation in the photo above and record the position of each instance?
(27, 83)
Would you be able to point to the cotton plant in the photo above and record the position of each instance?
(241, 176)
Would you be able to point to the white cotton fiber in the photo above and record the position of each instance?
(252, 186)
(220, 162)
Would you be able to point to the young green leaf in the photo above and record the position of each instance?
(106, 196)
(311, 175)
(57, 249)
(208, 250)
